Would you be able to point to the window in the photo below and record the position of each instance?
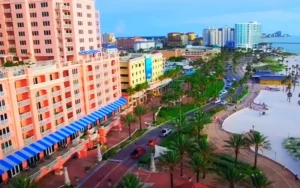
(49, 50)
(2, 51)
(31, 5)
(47, 32)
(90, 31)
(35, 33)
(18, 6)
(90, 24)
(20, 24)
(91, 47)
(37, 51)
(90, 39)
(44, 4)
(22, 42)
(32, 15)
(82, 48)
(1, 35)
(45, 14)
(34, 24)
(23, 51)
(19, 15)
(36, 42)
(80, 23)
(80, 31)
(21, 33)
(48, 41)
(81, 40)
(1, 43)
(78, 5)
(79, 14)
(88, 7)
(89, 15)
(46, 23)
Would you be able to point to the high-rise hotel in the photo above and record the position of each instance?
(55, 84)
(247, 35)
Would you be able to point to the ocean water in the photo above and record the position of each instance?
(293, 48)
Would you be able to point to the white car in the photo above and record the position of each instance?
(218, 101)
(165, 132)
(233, 79)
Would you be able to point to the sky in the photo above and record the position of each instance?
(158, 17)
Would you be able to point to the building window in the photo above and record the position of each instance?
(45, 14)
(18, 6)
(36, 42)
(19, 15)
(48, 41)
(78, 5)
(79, 14)
(34, 24)
(88, 7)
(32, 15)
(89, 15)
(22, 42)
(44, 4)
(90, 31)
(90, 39)
(90, 24)
(20, 24)
(82, 48)
(49, 50)
(47, 32)
(80, 31)
(46, 23)
(31, 5)
(37, 51)
(1, 43)
(23, 51)
(81, 40)
(80, 23)
(35, 33)
(21, 33)
(2, 51)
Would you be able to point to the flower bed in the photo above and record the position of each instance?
(292, 144)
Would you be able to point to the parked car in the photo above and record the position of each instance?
(165, 132)
(217, 101)
(152, 142)
(227, 87)
(138, 151)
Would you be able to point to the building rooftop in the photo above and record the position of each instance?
(137, 56)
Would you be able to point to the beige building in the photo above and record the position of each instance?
(109, 38)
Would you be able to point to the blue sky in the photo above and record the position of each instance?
(158, 17)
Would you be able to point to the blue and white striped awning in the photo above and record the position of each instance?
(89, 52)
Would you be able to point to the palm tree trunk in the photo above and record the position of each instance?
(171, 179)
(197, 174)
(129, 130)
(255, 156)
(140, 119)
(204, 175)
(231, 185)
(181, 168)
(236, 157)
(153, 117)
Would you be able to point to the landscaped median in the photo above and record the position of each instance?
(242, 95)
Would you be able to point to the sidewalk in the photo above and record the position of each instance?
(276, 173)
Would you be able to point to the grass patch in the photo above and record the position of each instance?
(172, 111)
(242, 95)
(166, 141)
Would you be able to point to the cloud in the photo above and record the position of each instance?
(120, 28)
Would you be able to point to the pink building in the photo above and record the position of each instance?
(66, 90)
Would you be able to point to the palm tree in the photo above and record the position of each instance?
(180, 123)
(197, 163)
(153, 109)
(231, 92)
(139, 111)
(258, 180)
(181, 144)
(130, 181)
(23, 182)
(129, 119)
(230, 176)
(170, 159)
(200, 119)
(236, 142)
(259, 141)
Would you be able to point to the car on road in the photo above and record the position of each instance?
(152, 142)
(223, 92)
(165, 132)
(233, 79)
(227, 87)
(217, 101)
(138, 151)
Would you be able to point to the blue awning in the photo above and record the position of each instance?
(80, 124)
(11, 162)
(89, 119)
(105, 110)
(62, 133)
(119, 103)
(86, 121)
(94, 117)
(36, 148)
(111, 109)
(89, 52)
(23, 154)
(16, 158)
(56, 136)
(66, 131)
(71, 129)
(51, 140)
(45, 143)
(4, 166)
(99, 114)
(74, 126)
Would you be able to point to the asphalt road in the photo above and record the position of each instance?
(121, 163)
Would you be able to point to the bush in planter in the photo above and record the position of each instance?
(87, 168)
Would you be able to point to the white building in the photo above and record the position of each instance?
(110, 49)
(219, 37)
(144, 45)
(109, 38)
(247, 35)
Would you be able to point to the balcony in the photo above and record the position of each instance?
(2, 108)
(66, 7)
(12, 46)
(27, 128)
(23, 103)
(71, 120)
(69, 43)
(1, 93)
(91, 92)
(56, 93)
(69, 52)
(92, 100)
(5, 136)
(8, 19)
(29, 140)
(91, 82)
(68, 34)
(67, 16)
(59, 126)
(59, 115)
(90, 73)
(43, 110)
(57, 104)
(78, 105)
(44, 121)
(4, 122)
(67, 89)
(67, 26)
(67, 78)
(25, 115)
(11, 37)
(45, 133)
(22, 90)
(8, 149)
(9, 28)
(41, 98)
(7, 11)
(69, 109)
(69, 99)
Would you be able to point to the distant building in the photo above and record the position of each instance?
(109, 38)
(278, 34)
(219, 36)
(127, 43)
(268, 78)
(247, 35)
(177, 39)
(203, 52)
(143, 45)
(110, 49)
(171, 53)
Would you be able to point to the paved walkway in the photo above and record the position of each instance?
(282, 177)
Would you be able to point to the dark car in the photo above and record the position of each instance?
(137, 152)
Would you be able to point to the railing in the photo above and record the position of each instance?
(78, 105)
(22, 90)
(3, 108)
(56, 93)
(71, 120)
(25, 115)
(8, 149)
(57, 104)
(29, 140)
(35, 175)
(70, 52)
(27, 128)
(60, 126)
(1, 93)
(67, 17)
(92, 100)
(10, 37)
(90, 73)
(44, 121)
(43, 110)
(8, 20)
(66, 7)
(24, 103)
(41, 98)
(61, 114)
(91, 92)
(7, 10)
(69, 109)
(3, 122)
(9, 28)
(5, 136)
(45, 133)
(69, 99)
(51, 165)
(69, 43)
(90, 82)
(77, 95)
(68, 34)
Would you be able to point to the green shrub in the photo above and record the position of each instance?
(109, 153)
(145, 159)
